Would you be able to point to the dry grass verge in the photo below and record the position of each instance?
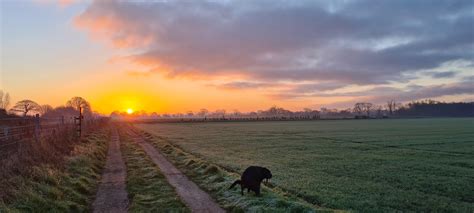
(55, 183)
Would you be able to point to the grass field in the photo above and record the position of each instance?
(365, 165)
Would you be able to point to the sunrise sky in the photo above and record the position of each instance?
(175, 56)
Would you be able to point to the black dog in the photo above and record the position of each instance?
(251, 179)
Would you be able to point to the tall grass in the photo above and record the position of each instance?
(63, 179)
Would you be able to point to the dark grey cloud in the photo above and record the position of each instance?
(295, 94)
(344, 42)
(317, 87)
(468, 79)
(446, 74)
(381, 94)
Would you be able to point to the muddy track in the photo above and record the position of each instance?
(112, 194)
(195, 198)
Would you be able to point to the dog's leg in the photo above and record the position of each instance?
(242, 189)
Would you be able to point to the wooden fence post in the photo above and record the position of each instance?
(37, 127)
(79, 122)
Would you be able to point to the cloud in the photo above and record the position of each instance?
(240, 85)
(446, 74)
(61, 3)
(426, 92)
(319, 86)
(381, 94)
(340, 42)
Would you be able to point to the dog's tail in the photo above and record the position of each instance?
(235, 183)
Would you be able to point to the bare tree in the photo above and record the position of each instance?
(4, 100)
(45, 109)
(391, 106)
(189, 114)
(220, 113)
(26, 106)
(155, 115)
(203, 112)
(358, 108)
(237, 114)
(79, 102)
(368, 107)
(379, 110)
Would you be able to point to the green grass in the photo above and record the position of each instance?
(362, 165)
(48, 188)
(148, 189)
(216, 181)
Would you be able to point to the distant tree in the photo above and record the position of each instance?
(61, 111)
(237, 113)
(379, 110)
(253, 114)
(189, 114)
(368, 107)
(44, 109)
(79, 102)
(431, 108)
(310, 113)
(26, 106)
(220, 113)
(4, 100)
(203, 112)
(358, 108)
(392, 106)
(276, 112)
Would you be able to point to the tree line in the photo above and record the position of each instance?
(28, 107)
(361, 110)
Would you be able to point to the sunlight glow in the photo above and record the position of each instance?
(129, 111)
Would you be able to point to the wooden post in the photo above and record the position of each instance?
(78, 123)
(37, 127)
(62, 120)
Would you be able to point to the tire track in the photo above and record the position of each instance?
(195, 198)
(112, 194)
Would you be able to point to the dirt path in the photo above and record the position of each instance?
(112, 195)
(195, 198)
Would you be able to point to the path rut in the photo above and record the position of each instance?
(194, 197)
(112, 194)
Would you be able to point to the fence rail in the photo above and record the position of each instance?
(14, 131)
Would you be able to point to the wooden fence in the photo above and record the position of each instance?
(17, 130)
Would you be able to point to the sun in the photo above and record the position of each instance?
(129, 111)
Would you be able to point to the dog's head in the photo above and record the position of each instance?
(266, 174)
